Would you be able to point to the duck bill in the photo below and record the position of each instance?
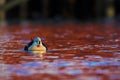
(38, 45)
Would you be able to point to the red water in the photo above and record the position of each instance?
(75, 52)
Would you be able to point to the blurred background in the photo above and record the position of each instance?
(82, 36)
(36, 11)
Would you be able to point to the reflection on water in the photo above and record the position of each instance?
(74, 53)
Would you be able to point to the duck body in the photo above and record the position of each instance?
(36, 45)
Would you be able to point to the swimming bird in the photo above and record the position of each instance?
(36, 45)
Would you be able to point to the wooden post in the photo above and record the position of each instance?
(45, 8)
(2, 13)
(71, 2)
(98, 8)
(23, 11)
(110, 12)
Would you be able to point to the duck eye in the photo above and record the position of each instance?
(38, 42)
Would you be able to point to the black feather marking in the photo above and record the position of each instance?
(27, 46)
(45, 46)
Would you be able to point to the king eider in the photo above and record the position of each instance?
(36, 45)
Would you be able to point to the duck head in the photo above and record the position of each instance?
(37, 41)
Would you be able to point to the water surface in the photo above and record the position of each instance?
(75, 52)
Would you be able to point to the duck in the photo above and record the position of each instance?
(35, 46)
